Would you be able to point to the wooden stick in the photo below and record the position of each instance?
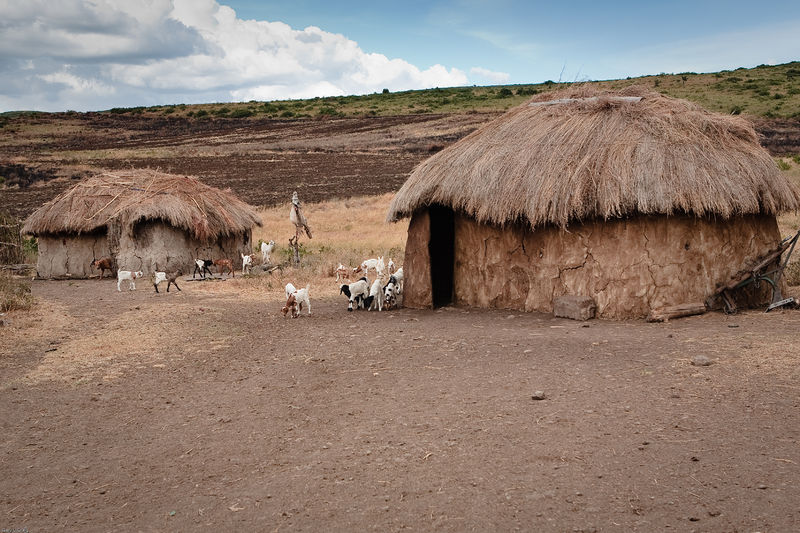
(676, 311)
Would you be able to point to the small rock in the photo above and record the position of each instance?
(538, 395)
(701, 360)
(761, 486)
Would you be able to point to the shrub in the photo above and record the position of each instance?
(241, 113)
(505, 92)
(796, 158)
(783, 165)
(15, 293)
(737, 110)
(287, 114)
(201, 113)
(328, 111)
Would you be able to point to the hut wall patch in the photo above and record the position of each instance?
(69, 256)
(628, 266)
(417, 288)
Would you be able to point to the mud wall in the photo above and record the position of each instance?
(417, 287)
(148, 246)
(628, 266)
(70, 256)
(156, 245)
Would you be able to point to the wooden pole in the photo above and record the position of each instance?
(676, 311)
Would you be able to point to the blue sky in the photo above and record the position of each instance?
(85, 55)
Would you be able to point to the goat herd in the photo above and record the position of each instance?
(361, 294)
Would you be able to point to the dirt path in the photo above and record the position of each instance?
(141, 412)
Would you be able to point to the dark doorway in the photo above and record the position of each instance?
(442, 253)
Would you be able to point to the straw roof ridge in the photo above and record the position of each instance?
(131, 196)
(584, 153)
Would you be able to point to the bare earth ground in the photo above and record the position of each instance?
(135, 411)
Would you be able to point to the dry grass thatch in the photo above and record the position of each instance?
(131, 196)
(601, 154)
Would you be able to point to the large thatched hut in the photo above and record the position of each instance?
(143, 219)
(633, 198)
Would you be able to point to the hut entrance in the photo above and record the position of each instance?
(441, 248)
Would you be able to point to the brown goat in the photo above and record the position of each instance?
(170, 277)
(223, 264)
(104, 263)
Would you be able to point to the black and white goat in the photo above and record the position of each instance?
(202, 266)
(356, 292)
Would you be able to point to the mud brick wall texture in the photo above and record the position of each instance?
(628, 266)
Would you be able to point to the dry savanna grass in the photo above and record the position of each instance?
(346, 231)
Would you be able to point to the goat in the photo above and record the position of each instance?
(202, 266)
(390, 268)
(390, 293)
(266, 250)
(130, 276)
(398, 276)
(170, 277)
(342, 273)
(223, 265)
(374, 299)
(356, 292)
(374, 264)
(295, 300)
(104, 263)
(247, 263)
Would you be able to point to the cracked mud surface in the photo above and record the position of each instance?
(141, 412)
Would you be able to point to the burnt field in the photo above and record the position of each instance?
(261, 160)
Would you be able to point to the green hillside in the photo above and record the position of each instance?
(764, 91)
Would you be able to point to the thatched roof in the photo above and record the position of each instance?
(581, 154)
(128, 197)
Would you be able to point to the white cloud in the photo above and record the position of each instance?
(95, 54)
(491, 76)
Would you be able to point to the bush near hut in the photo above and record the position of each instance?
(15, 293)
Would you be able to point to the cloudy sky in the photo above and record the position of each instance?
(97, 54)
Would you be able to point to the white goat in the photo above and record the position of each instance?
(399, 277)
(390, 267)
(266, 250)
(374, 299)
(247, 263)
(372, 264)
(295, 299)
(130, 276)
(342, 273)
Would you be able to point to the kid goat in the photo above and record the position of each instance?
(130, 276)
(170, 277)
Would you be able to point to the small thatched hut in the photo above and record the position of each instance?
(143, 219)
(633, 198)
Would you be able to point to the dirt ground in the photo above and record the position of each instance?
(137, 411)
